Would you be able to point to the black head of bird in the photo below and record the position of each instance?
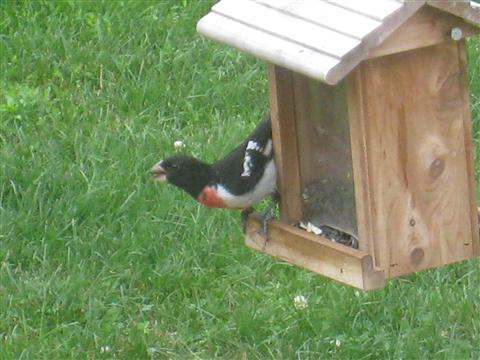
(183, 171)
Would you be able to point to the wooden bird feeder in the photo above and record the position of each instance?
(371, 128)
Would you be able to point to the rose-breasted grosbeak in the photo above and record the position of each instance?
(238, 181)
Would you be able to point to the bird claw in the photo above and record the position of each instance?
(264, 219)
(244, 218)
(263, 231)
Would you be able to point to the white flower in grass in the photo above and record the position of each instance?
(152, 351)
(337, 343)
(178, 144)
(300, 302)
(105, 349)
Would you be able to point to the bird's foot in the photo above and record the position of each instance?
(244, 216)
(275, 197)
(264, 218)
(269, 214)
(263, 231)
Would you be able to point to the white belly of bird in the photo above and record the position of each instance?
(265, 186)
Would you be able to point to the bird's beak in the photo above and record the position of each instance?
(158, 173)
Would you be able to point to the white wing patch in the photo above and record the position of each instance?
(253, 145)
(247, 160)
(247, 166)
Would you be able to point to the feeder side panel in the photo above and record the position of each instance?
(285, 141)
(325, 154)
(417, 159)
(363, 194)
(464, 88)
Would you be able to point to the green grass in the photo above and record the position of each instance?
(98, 262)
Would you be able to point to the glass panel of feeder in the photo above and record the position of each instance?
(325, 155)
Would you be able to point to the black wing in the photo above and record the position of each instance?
(243, 167)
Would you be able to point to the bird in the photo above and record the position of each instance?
(239, 180)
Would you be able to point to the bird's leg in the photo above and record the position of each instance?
(268, 215)
(265, 218)
(275, 197)
(244, 215)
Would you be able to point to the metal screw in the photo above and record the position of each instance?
(456, 33)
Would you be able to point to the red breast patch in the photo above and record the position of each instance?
(209, 197)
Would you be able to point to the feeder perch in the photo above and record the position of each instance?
(371, 128)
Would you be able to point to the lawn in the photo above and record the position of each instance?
(98, 262)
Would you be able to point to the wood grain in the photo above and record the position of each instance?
(282, 108)
(428, 26)
(467, 125)
(265, 46)
(461, 8)
(377, 9)
(361, 170)
(288, 27)
(418, 179)
(315, 253)
(328, 15)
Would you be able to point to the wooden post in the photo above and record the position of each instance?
(282, 107)
(361, 171)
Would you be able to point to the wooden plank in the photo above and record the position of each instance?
(327, 15)
(417, 160)
(467, 125)
(284, 135)
(287, 27)
(462, 8)
(390, 25)
(361, 167)
(427, 27)
(376, 9)
(316, 253)
(269, 48)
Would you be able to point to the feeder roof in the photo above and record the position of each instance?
(323, 39)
